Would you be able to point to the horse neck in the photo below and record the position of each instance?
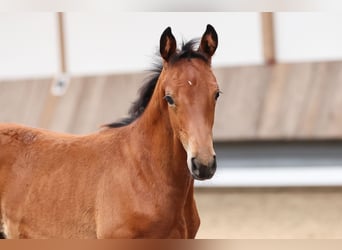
(165, 151)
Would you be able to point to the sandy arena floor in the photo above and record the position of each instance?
(270, 213)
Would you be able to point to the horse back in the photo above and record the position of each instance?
(12, 139)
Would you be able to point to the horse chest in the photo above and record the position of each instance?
(142, 225)
(145, 217)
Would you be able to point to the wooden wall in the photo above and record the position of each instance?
(283, 101)
(266, 102)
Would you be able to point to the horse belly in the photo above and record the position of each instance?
(28, 227)
(41, 219)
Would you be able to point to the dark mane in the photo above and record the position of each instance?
(138, 107)
(145, 94)
(188, 51)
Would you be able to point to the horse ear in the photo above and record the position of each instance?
(209, 41)
(168, 44)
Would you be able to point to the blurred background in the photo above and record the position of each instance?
(278, 126)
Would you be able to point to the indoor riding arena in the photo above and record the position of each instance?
(278, 123)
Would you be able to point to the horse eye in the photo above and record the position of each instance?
(169, 100)
(217, 95)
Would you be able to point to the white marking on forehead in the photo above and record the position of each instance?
(190, 83)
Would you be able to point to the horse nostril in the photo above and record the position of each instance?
(194, 167)
(203, 171)
(213, 165)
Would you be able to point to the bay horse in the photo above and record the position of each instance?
(131, 179)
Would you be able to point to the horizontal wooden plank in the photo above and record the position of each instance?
(268, 102)
(280, 102)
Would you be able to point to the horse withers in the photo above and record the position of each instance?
(132, 179)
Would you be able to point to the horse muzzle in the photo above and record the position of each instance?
(202, 171)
